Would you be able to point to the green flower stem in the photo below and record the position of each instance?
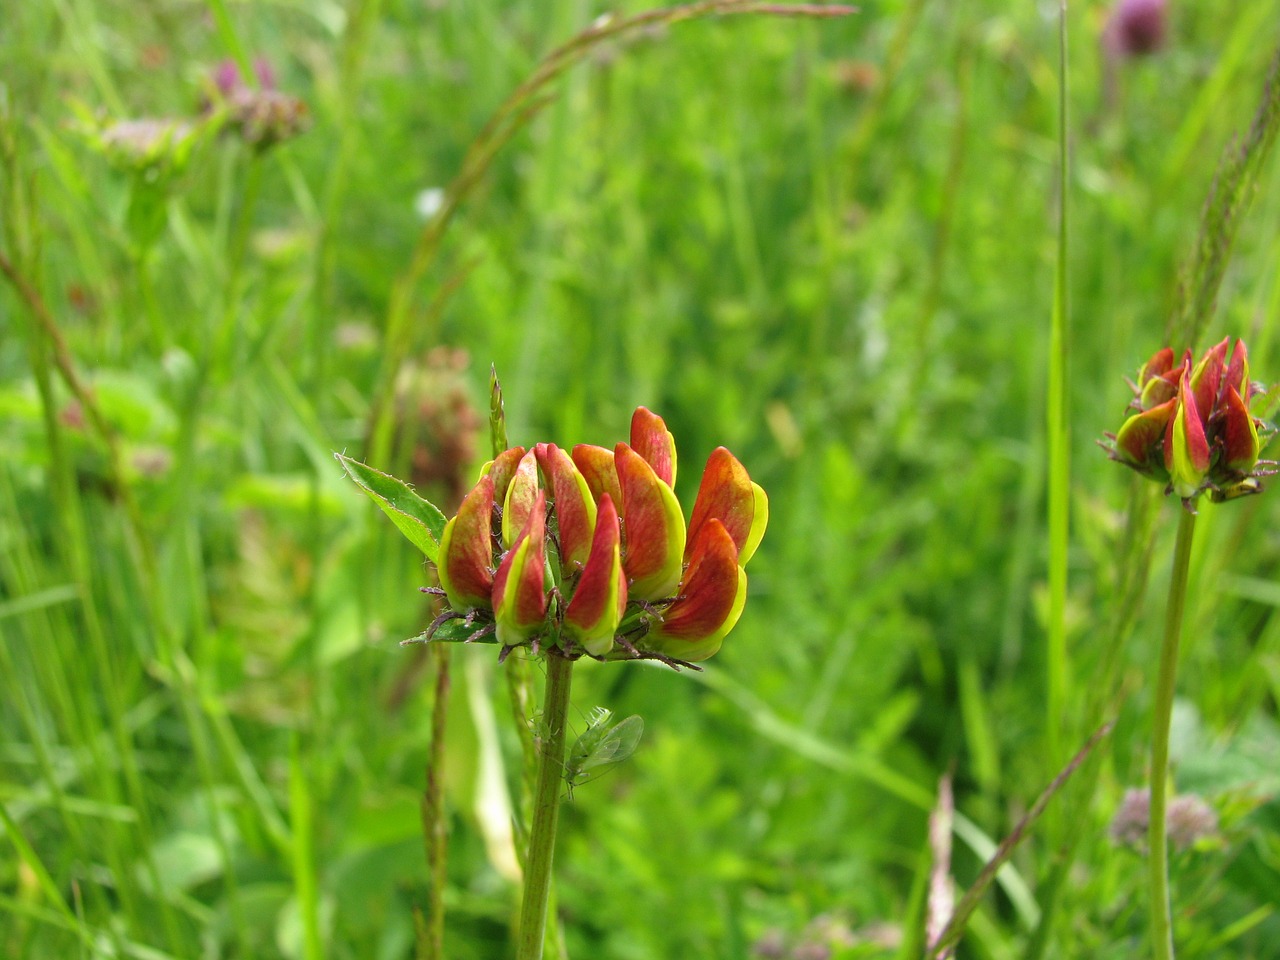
(1161, 913)
(546, 810)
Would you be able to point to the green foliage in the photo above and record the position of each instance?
(828, 245)
(419, 520)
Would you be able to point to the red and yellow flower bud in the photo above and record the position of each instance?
(502, 469)
(600, 598)
(519, 587)
(575, 509)
(596, 466)
(1241, 445)
(521, 494)
(465, 560)
(1186, 449)
(1194, 429)
(727, 494)
(1140, 442)
(626, 584)
(711, 598)
(653, 528)
(651, 439)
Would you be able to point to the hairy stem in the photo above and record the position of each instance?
(546, 811)
(1161, 914)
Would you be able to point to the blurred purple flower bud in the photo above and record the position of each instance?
(1136, 27)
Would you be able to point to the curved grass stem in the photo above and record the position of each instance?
(1161, 913)
(546, 811)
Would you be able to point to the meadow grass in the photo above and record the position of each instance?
(829, 245)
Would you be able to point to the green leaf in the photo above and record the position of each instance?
(419, 520)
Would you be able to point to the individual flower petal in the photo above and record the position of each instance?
(596, 466)
(1240, 444)
(653, 527)
(465, 562)
(600, 598)
(1206, 378)
(503, 468)
(728, 495)
(575, 508)
(1238, 372)
(711, 599)
(652, 440)
(1186, 450)
(1161, 363)
(521, 494)
(519, 588)
(1139, 442)
(1159, 389)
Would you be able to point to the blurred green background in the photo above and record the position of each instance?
(825, 244)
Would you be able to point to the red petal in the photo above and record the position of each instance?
(601, 595)
(466, 551)
(1238, 372)
(709, 593)
(1206, 378)
(575, 510)
(527, 564)
(520, 497)
(596, 465)
(726, 494)
(1142, 433)
(651, 439)
(503, 469)
(653, 527)
(1161, 362)
(1240, 446)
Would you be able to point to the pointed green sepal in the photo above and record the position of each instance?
(711, 599)
(465, 564)
(653, 528)
(600, 598)
(417, 519)
(519, 588)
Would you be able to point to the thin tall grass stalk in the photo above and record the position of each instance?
(1229, 195)
(1058, 435)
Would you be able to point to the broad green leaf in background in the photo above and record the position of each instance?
(417, 519)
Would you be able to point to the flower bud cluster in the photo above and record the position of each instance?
(1192, 428)
(589, 550)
